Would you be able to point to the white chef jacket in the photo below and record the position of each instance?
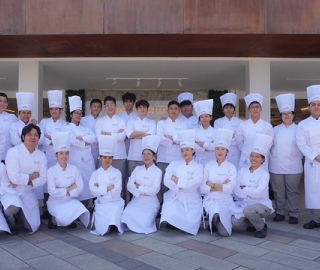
(206, 153)
(192, 121)
(90, 122)
(143, 125)
(169, 150)
(112, 125)
(5, 120)
(245, 138)
(126, 117)
(285, 156)
(308, 141)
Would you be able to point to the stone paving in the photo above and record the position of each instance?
(285, 247)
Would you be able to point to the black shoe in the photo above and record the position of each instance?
(262, 233)
(293, 220)
(45, 215)
(170, 227)
(278, 218)
(253, 229)
(51, 225)
(73, 225)
(13, 229)
(311, 225)
(213, 227)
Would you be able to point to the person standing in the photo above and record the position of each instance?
(229, 121)
(285, 163)
(90, 121)
(308, 141)
(186, 107)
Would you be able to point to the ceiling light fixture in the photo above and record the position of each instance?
(138, 82)
(180, 83)
(114, 82)
(159, 82)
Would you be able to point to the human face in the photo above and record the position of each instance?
(142, 111)
(173, 111)
(62, 157)
(106, 162)
(221, 153)
(25, 116)
(255, 110)
(228, 111)
(3, 104)
(31, 139)
(148, 157)
(110, 108)
(55, 113)
(205, 119)
(186, 110)
(187, 153)
(128, 105)
(256, 159)
(314, 108)
(95, 109)
(76, 117)
(287, 117)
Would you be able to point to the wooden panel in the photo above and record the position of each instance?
(64, 17)
(224, 16)
(143, 16)
(12, 17)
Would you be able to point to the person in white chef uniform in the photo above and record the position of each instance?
(229, 121)
(205, 133)
(48, 127)
(144, 184)
(64, 186)
(247, 130)
(106, 185)
(27, 170)
(308, 141)
(25, 102)
(285, 163)
(220, 178)
(182, 203)
(186, 107)
(81, 139)
(254, 204)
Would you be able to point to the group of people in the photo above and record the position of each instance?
(180, 168)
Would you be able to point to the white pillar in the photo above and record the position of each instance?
(258, 81)
(31, 80)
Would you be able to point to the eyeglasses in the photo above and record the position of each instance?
(147, 154)
(78, 113)
(287, 113)
(255, 107)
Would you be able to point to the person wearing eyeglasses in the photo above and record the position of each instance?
(285, 163)
(81, 138)
(144, 184)
(247, 130)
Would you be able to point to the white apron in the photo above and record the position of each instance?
(3, 224)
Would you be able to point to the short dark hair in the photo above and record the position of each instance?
(293, 113)
(109, 98)
(229, 104)
(184, 103)
(254, 102)
(27, 129)
(4, 95)
(173, 102)
(129, 96)
(142, 102)
(95, 100)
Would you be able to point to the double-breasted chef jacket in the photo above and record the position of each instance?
(205, 154)
(5, 121)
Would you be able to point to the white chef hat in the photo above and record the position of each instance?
(285, 102)
(313, 93)
(223, 138)
(61, 141)
(262, 143)
(203, 107)
(75, 103)
(186, 96)
(187, 138)
(253, 97)
(151, 142)
(55, 98)
(25, 101)
(228, 98)
(106, 145)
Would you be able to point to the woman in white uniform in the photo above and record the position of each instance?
(229, 121)
(308, 141)
(3, 223)
(182, 204)
(219, 180)
(285, 163)
(254, 204)
(106, 185)
(27, 170)
(204, 132)
(64, 185)
(144, 183)
(247, 130)
(81, 139)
